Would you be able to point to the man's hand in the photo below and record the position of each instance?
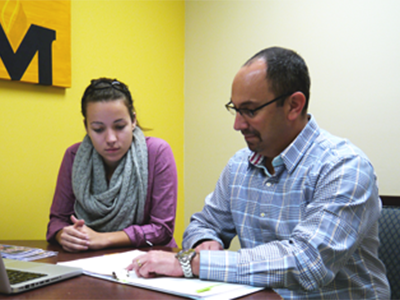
(209, 245)
(155, 263)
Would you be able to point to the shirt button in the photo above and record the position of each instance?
(269, 184)
(262, 215)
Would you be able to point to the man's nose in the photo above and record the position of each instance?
(240, 122)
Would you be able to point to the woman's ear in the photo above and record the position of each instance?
(296, 104)
(134, 123)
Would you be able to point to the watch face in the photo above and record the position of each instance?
(185, 256)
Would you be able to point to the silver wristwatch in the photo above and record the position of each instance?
(185, 258)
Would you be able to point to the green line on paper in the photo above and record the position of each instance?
(206, 289)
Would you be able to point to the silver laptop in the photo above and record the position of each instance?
(17, 276)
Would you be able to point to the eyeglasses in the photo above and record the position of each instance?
(250, 113)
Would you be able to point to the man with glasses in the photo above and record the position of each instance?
(303, 202)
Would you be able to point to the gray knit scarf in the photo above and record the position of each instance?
(113, 207)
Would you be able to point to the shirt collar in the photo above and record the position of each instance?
(291, 156)
(257, 160)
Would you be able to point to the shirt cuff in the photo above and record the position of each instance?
(218, 265)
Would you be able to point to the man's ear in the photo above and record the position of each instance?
(84, 124)
(296, 104)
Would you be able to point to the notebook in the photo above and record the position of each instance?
(17, 276)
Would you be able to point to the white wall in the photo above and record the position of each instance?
(352, 49)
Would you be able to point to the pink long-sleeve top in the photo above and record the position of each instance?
(160, 206)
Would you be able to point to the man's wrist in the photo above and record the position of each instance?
(195, 263)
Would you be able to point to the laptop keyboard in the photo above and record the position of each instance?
(21, 276)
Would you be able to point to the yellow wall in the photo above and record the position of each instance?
(139, 42)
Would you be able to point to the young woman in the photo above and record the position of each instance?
(117, 187)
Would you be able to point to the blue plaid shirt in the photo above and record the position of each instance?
(309, 230)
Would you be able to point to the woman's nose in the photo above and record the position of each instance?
(111, 136)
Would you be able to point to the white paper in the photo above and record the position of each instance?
(113, 267)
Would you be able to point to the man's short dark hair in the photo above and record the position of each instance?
(287, 72)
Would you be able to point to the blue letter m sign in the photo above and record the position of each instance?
(37, 39)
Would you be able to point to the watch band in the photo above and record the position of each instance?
(185, 258)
